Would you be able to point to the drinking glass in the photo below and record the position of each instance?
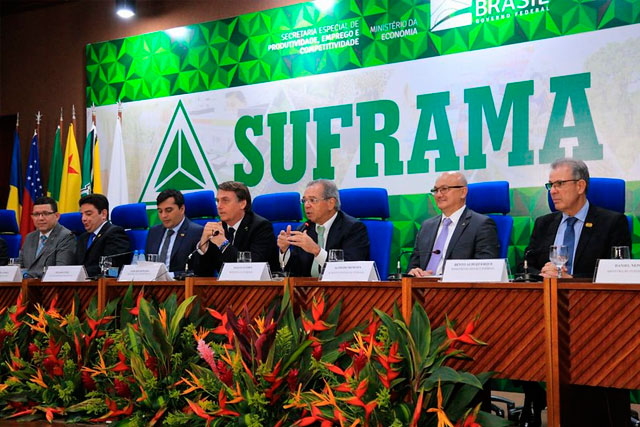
(620, 252)
(335, 255)
(558, 255)
(105, 264)
(14, 261)
(152, 257)
(244, 256)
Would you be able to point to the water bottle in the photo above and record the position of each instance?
(134, 260)
(141, 256)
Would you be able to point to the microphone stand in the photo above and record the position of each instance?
(399, 275)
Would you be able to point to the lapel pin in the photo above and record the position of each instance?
(181, 234)
(246, 228)
(588, 224)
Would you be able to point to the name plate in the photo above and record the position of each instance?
(65, 273)
(10, 273)
(475, 270)
(618, 271)
(144, 272)
(237, 271)
(350, 271)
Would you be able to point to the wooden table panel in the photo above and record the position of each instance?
(43, 293)
(9, 292)
(156, 291)
(511, 321)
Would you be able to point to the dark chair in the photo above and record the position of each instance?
(133, 218)
(492, 199)
(371, 206)
(73, 222)
(200, 206)
(282, 209)
(10, 232)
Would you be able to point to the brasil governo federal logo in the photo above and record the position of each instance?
(447, 14)
(180, 163)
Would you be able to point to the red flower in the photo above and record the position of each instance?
(20, 309)
(359, 361)
(466, 336)
(87, 381)
(151, 362)
(122, 388)
(32, 347)
(317, 309)
(292, 380)
(316, 350)
(51, 363)
(122, 365)
(136, 310)
(107, 343)
(225, 374)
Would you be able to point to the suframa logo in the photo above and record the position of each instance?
(446, 14)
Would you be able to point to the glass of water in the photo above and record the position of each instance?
(14, 261)
(105, 264)
(152, 257)
(620, 252)
(244, 256)
(335, 255)
(558, 255)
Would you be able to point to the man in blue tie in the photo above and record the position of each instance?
(589, 232)
(459, 233)
(49, 244)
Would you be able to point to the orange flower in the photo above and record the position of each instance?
(443, 420)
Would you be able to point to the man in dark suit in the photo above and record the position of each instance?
(459, 233)
(240, 230)
(589, 232)
(4, 252)
(101, 238)
(177, 236)
(304, 252)
(49, 244)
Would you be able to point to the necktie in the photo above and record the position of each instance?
(315, 267)
(569, 240)
(43, 240)
(90, 241)
(165, 247)
(438, 248)
(231, 234)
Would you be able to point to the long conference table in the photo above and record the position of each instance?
(559, 331)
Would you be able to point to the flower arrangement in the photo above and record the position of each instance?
(169, 364)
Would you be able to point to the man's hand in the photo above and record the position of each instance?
(304, 242)
(283, 239)
(550, 271)
(209, 235)
(418, 272)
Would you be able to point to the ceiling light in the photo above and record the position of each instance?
(126, 8)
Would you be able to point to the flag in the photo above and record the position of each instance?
(33, 188)
(55, 172)
(15, 180)
(118, 190)
(71, 179)
(91, 181)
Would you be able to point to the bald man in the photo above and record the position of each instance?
(458, 233)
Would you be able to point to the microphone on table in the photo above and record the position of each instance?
(525, 276)
(111, 257)
(187, 272)
(399, 275)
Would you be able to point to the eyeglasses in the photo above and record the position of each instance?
(444, 189)
(312, 200)
(558, 184)
(41, 214)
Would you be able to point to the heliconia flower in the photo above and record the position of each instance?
(344, 345)
(122, 388)
(162, 315)
(151, 362)
(316, 350)
(273, 376)
(33, 348)
(53, 311)
(359, 361)
(107, 343)
(49, 412)
(292, 379)
(87, 381)
(197, 409)
(223, 328)
(222, 401)
(121, 366)
(207, 354)
(20, 309)
(390, 374)
(466, 336)
(136, 310)
(443, 420)
(114, 412)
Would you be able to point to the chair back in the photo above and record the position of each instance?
(73, 222)
(492, 199)
(133, 218)
(282, 209)
(10, 232)
(371, 206)
(200, 206)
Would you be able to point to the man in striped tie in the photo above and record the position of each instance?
(458, 233)
(49, 244)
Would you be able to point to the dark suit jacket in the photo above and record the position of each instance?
(111, 240)
(607, 229)
(59, 249)
(186, 241)
(346, 233)
(4, 252)
(475, 237)
(255, 234)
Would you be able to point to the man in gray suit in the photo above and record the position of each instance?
(49, 244)
(459, 233)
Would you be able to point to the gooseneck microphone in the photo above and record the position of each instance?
(398, 275)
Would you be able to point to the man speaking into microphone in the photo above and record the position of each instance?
(240, 230)
(101, 237)
(303, 252)
(459, 233)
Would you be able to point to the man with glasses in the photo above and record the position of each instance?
(239, 230)
(589, 232)
(459, 233)
(305, 250)
(49, 244)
